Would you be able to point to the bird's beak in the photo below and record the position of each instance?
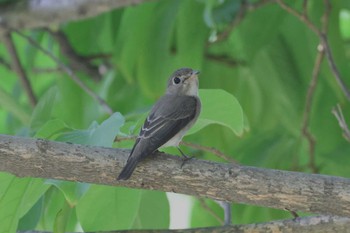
(194, 74)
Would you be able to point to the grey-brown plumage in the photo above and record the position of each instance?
(169, 119)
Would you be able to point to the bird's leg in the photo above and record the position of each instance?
(156, 153)
(185, 158)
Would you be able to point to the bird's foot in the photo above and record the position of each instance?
(185, 158)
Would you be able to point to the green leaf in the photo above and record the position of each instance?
(51, 128)
(62, 218)
(8, 103)
(143, 45)
(18, 196)
(201, 217)
(72, 191)
(105, 208)
(32, 217)
(97, 135)
(219, 107)
(257, 25)
(147, 217)
(43, 110)
(190, 46)
(93, 35)
(53, 200)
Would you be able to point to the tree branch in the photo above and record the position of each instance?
(34, 14)
(338, 113)
(70, 73)
(307, 109)
(244, 8)
(211, 150)
(4, 63)
(17, 67)
(76, 61)
(321, 33)
(210, 211)
(227, 182)
(314, 224)
(208, 149)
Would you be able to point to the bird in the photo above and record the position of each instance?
(169, 119)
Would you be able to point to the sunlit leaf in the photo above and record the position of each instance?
(98, 135)
(219, 107)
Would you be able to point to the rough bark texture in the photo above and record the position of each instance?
(42, 13)
(232, 183)
(314, 224)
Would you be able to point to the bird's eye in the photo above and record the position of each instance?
(177, 80)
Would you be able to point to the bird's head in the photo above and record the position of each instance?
(183, 81)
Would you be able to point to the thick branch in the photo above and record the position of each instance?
(34, 14)
(314, 224)
(227, 182)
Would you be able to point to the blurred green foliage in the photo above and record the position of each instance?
(264, 67)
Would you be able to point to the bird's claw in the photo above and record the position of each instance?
(185, 158)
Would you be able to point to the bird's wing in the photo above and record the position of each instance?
(164, 122)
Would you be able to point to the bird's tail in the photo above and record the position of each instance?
(128, 169)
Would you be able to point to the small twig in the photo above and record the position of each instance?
(293, 213)
(4, 63)
(76, 61)
(254, 6)
(312, 86)
(323, 38)
(338, 113)
(333, 67)
(245, 7)
(212, 150)
(47, 70)
(225, 60)
(192, 145)
(322, 49)
(307, 109)
(211, 212)
(330, 59)
(301, 17)
(98, 56)
(305, 8)
(128, 138)
(237, 20)
(70, 73)
(17, 67)
(325, 17)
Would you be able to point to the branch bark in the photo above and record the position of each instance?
(227, 182)
(33, 14)
(313, 224)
